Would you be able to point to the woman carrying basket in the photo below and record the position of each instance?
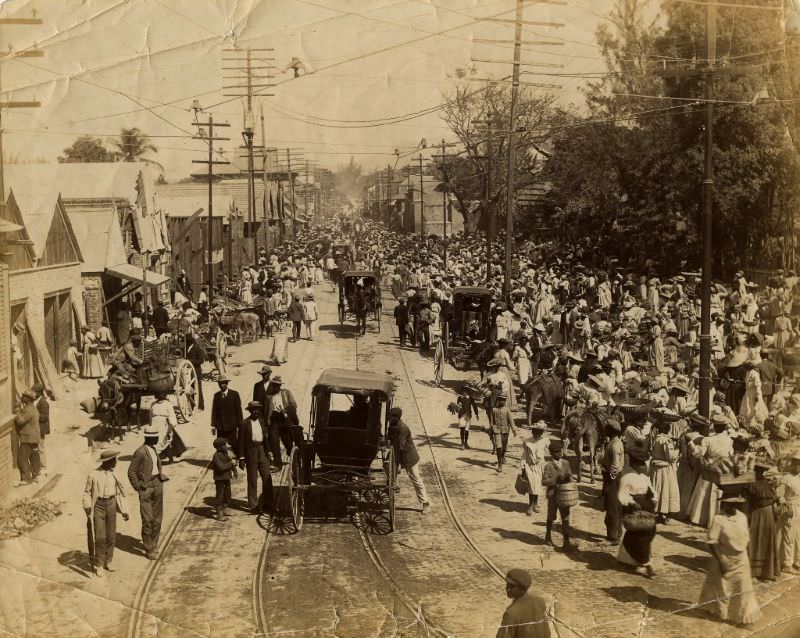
(638, 505)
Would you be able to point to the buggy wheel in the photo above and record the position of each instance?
(186, 389)
(294, 488)
(391, 482)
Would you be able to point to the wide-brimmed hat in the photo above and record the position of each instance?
(108, 454)
(495, 363)
(277, 380)
(151, 430)
(223, 379)
(265, 370)
(254, 405)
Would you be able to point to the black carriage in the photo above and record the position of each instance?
(343, 257)
(360, 282)
(347, 447)
(469, 322)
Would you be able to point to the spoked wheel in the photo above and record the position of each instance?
(186, 389)
(295, 500)
(391, 482)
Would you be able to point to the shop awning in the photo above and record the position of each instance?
(134, 274)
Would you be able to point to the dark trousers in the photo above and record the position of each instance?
(151, 509)
(553, 509)
(401, 332)
(104, 520)
(28, 461)
(296, 329)
(274, 443)
(200, 402)
(256, 464)
(611, 505)
(424, 337)
(223, 495)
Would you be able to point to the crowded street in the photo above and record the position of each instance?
(419, 319)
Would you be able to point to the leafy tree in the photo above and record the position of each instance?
(87, 149)
(133, 144)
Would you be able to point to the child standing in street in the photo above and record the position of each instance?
(224, 471)
(467, 409)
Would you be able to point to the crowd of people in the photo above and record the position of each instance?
(574, 337)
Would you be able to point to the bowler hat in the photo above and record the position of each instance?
(265, 370)
(151, 430)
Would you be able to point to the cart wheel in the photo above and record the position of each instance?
(294, 487)
(186, 389)
(341, 314)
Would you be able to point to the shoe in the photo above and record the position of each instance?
(466, 445)
(462, 446)
(649, 571)
(152, 555)
(536, 509)
(109, 568)
(425, 507)
(548, 540)
(568, 547)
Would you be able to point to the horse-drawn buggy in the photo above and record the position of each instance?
(360, 296)
(468, 325)
(346, 449)
(241, 323)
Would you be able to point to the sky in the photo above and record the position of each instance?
(110, 64)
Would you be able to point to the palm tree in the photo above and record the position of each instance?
(132, 144)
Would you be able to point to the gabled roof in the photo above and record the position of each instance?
(99, 236)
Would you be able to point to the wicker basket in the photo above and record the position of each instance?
(635, 407)
(639, 521)
(567, 495)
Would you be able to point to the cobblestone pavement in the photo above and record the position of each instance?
(437, 574)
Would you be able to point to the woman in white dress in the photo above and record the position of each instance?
(753, 410)
(93, 367)
(704, 503)
(728, 589)
(162, 416)
(246, 288)
(534, 455)
(636, 495)
(522, 358)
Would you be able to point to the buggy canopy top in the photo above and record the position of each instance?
(359, 273)
(472, 291)
(354, 382)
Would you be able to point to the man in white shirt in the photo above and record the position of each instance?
(253, 459)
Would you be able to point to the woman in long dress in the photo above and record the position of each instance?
(246, 288)
(691, 453)
(162, 415)
(534, 454)
(705, 497)
(636, 493)
(92, 361)
(765, 557)
(663, 474)
(728, 588)
(753, 410)
(522, 357)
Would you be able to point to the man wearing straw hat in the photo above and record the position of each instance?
(103, 497)
(146, 477)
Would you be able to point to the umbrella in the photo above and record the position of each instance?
(90, 541)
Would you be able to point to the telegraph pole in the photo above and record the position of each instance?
(210, 162)
(708, 193)
(512, 148)
(249, 77)
(487, 198)
(421, 200)
(10, 104)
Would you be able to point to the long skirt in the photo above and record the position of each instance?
(512, 391)
(665, 487)
(704, 504)
(174, 448)
(730, 596)
(635, 548)
(765, 559)
(93, 367)
(523, 370)
(534, 476)
(688, 473)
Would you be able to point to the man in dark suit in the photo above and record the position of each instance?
(401, 320)
(252, 448)
(226, 413)
(526, 616)
(260, 387)
(196, 355)
(280, 414)
(146, 477)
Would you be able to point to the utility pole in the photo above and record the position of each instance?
(291, 191)
(708, 193)
(487, 198)
(210, 162)
(421, 200)
(249, 77)
(512, 148)
(10, 104)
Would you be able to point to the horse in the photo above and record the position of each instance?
(483, 353)
(247, 323)
(585, 427)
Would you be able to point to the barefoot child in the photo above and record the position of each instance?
(224, 470)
